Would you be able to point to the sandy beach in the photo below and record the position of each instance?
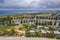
(24, 38)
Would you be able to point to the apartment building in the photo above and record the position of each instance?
(38, 19)
(46, 19)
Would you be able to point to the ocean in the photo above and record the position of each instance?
(17, 11)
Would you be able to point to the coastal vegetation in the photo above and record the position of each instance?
(30, 25)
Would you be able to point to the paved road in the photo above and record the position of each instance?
(23, 38)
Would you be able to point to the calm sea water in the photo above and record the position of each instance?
(18, 11)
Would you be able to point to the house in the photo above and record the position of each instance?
(43, 31)
(32, 30)
(16, 21)
(57, 32)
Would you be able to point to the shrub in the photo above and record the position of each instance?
(58, 37)
(33, 26)
(50, 35)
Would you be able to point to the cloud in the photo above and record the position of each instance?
(23, 3)
(30, 4)
(1, 1)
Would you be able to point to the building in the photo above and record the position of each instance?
(44, 19)
(38, 19)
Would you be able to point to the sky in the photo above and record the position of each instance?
(29, 5)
